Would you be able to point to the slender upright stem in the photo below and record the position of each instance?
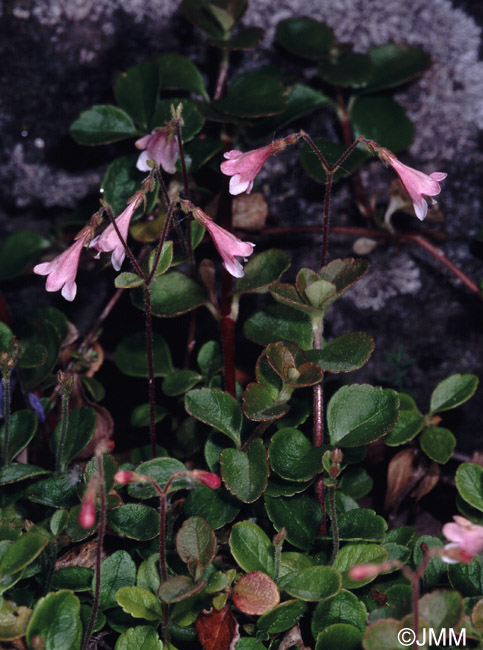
(319, 430)
(162, 239)
(6, 414)
(222, 74)
(149, 354)
(325, 227)
(64, 422)
(335, 527)
(162, 537)
(100, 539)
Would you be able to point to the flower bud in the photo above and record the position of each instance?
(364, 571)
(126, 476)
(209, 479)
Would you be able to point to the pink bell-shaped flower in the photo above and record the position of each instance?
(466, 540)
(62, 270)
(159, 146)
(109, 241)
(228, 246)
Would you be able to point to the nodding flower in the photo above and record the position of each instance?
(159, 146)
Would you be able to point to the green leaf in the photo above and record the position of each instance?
(179, 73)
(469, 483)
(74, 530)
(359, 414)
(251, 548)
(141, 637)
(117, 570)
(395, 65)
(95, 389)
(278, 487)
(279, 323)
(13, 620)
(109, 466)
(344, 607)
(282, 618)
(351, 70)
(58, 492)
(23, 425)
(361, 524)
(383, 635)
(80, 429)
(305, 37)
(218, 507)
(102, 124)
(355, 482)
(134, 520)
(289, 364)
(22, 552)
(193, 120)
(136, 91)
(20, 472)
(141, 414)
(339, 635)
(438, 444)
(352, 554)
(165, 259)
(121, 181)
(262, 270)
(331, 151)
(245, 39)
(18, 251)
(260, 405)
(293, 457)
(210, 359)
(245, 474)
(47, 334)
(314, 584)
(178, 588)
(253, 94)
(56, 620)
(199, 152)
(6, 337)
(196, 540)
(139, 603)
(216, 408)
(180, 382)
(127, 280)
(130, 356)
(467, 578)
(75, 578)
(344, 354)
(32, 356)
(198, 12)
(299, 515)
(452, 392)
(436, 568)
(161, 470)
(172, 294)
(382, 119)
(409, 424)
(441, 609)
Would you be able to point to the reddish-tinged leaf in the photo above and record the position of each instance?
(217, 630)
(255, 593)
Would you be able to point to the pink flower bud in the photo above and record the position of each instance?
(87, 514)
(126, 476)
(209, 479)
(108, 241)
(364, 571)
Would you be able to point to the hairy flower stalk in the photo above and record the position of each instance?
(6, 365)
(66, 382)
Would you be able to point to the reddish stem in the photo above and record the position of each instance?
(319, 435)
(228, 342)
(5, 314)
(149, 354)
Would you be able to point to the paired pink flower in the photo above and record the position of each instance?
(243, 167)
(109, 241)
(228, 246)
(62, 270)
(419, 186)
(466, 540)
(159, 146)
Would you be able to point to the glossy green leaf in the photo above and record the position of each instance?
(469, 482)
(289, 364)
(218, 409)
(141, 415)
(117, 570)
(58, 492)
(20, 472)
(193, 120)
(359, 414)
(196, 540)
(344, 607)
(395, 65)
(161, 470)
(305, 37)
(344, 354)
(136, 91)
(198, 12)
(13, 620)
(172, 294)
(180, 382)
(127, 280)
(56, 620)
(441, 608)
(109, 467)
(22, 552)
(139, 603)
(23, 425)
(252, 548)
(165, 259)
(199, 152)
(352, 554)
(331, 151)
(245, 39)
(141, 637)
(95, 390)
(383, 635)
(287, 295)
(178, 588)
(75, 531)
(278, 487)
(300, 515)
(452, 392)
(102, 124)
(261, 270)
(179, 73)
(351, 70)
(80, 429)
(253, 94)
(121, 181)
(361, 524)
(259, 404)
(75, 578)
(46, 333)
(409, 424)
(218, 507)
(438, 443)
(339, 635)
(32, 356)
(382, 119)
(18, 251)
(355, 482)
(436, 568)
(245, 474)
(293, 457)
(467, 578)
(210, 359)
(130, 356)
(6, 337)
(314, 583)
(279, 323)
(134, 520)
